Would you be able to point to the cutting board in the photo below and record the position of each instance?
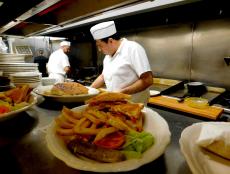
(210, 112)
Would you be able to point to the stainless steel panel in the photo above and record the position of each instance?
(169, 50)
(183, 52)
(211, 43)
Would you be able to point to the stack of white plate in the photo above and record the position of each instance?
(12, 58)
(33, 79)
(11, 68)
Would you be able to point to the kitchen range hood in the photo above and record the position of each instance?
(41, 17)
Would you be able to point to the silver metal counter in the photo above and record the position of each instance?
(23, 147)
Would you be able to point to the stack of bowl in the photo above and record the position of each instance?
(33, 79)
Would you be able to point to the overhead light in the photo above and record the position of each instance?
(51, 38)
(1, 3)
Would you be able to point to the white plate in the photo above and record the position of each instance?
(6, 116)
(154, 92)
(67, 98)
(26, 74)
(154, 124)
(31, 85)
(199, 160)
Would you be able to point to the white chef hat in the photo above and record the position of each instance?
(103, 30)
(65, 43)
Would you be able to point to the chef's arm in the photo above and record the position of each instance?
(67, 69)
(145, 80)
(99, 82)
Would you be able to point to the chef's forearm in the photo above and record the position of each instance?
(141, 84)
(99, 82)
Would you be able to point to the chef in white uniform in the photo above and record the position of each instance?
(126, 67)
(58, 65)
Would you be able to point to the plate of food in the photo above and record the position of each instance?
(15, 101)
(108, 134)
(203, 148)
(66, 92)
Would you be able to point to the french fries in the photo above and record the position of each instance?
(63, 132)
(61, 122)
(98, 122)
(103, 132)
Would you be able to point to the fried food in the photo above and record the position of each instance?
(68, 88)
(18, 94)
(14, 98)
(104, 123)
(220, 147)
(129, 109)
(104, 132)
(108, 97)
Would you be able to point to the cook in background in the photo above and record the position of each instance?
(58, 65)
(42, 61)
(126, 67)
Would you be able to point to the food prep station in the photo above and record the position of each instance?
(23, 137)
(186, 46)
(173, 93)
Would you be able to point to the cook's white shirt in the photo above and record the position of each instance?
(125, 67)
(58, 60)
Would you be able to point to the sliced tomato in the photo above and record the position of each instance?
(4, 109)
(112, 141)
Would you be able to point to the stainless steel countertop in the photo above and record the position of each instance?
(23, 147)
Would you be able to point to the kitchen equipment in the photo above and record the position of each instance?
(197, 102)
(196, 89)
(210, 112)
(166, 86)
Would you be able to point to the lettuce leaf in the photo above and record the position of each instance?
(137, 143)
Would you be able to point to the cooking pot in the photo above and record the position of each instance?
(196, 89)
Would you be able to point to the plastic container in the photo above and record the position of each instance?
(197, 102)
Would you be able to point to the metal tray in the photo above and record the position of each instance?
(166, 86)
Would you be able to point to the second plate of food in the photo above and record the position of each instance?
(65, 98)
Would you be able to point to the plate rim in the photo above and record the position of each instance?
(62, 98)
(128, 165)
(155, 93)
(12, 114)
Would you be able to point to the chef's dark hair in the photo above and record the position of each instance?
(115, 36)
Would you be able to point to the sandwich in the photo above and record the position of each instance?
(68, 88)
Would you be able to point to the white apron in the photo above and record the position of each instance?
(60, 78)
